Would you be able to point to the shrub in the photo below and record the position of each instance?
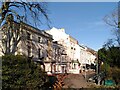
(116, 74)
(17, 72)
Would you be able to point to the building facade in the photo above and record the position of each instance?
(77, 56)
(59, 58)
(87, 57)
(74, 55)
(54, 50)
(71, 47)
(34, 43)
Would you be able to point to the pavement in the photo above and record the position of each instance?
(77, 80)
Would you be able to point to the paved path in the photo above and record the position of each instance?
(75, 81)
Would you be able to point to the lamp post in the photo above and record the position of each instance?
(97, 68)
(85, 71)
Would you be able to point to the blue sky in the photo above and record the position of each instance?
(83, 21)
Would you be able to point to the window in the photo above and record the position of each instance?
(47, 42)
(74, 66)
(39, 53)
(28, 36)
(29, 51)
(39, 39)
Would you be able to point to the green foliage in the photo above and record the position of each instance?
(18, 72)
(116, 74)
(102, 54)
(111, 62)
(110, 55)
(113, 73)
(105, 67)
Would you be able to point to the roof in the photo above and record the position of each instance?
(36, 30)
(92, 51)
(32, 29)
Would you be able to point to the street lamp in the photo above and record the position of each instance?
(85, 71)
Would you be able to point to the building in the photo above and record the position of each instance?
(59, 58)
(60, 43)
(34, 43)
(54, 50)
(60, 37)
(87, 57)
(74, 55)
(71, 47)
(78, 56)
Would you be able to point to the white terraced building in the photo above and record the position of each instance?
(77, 55)
(57, 51)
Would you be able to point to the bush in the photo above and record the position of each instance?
(18, 72)
(106, 67)
(116, 75)
(113, 73)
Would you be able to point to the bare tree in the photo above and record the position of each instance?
(24, 11)
(30, 12)
(113, 21)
